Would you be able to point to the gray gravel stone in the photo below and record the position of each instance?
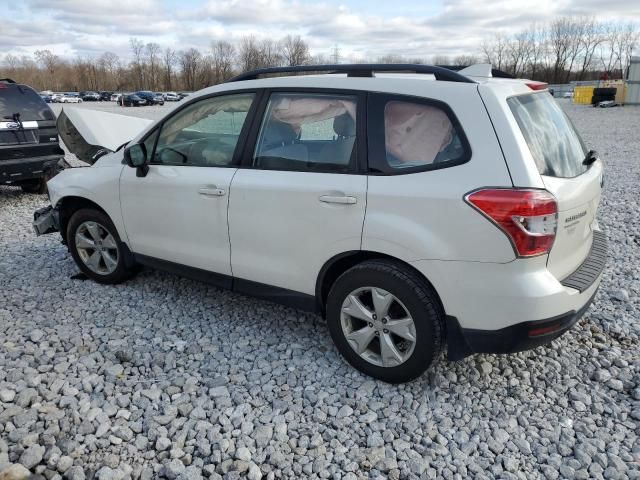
(163, 443)
(173, 469)
(32, 456)
(15, 472)
(75, 473)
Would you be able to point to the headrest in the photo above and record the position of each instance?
(344, 126)
(278, 133)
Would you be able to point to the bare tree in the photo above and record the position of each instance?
(223, 57)
(465, 60)
(168, 62)
(441, 60)
(590, 39)
(109, 67)
(495, 51)
(295, 50)
(50, 61)
(269, 53)
(248, 54)
(625, 42)
(190, 62)
(137, 50)
(153, 59)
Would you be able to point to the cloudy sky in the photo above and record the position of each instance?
(359, 28)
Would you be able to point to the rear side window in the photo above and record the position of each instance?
(23, 100)
(408, 134)
(308, 132)
(553, 141)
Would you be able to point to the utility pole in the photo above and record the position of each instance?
(335, 56)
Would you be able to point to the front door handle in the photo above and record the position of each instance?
(212, 191)
(340, 199)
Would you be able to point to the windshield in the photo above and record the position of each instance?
(553, 141)
(23, 100)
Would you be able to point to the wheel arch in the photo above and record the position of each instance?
(338, 264)
(67, 206)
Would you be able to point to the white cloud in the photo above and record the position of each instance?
(88, 27)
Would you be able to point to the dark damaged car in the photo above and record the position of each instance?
(30, 153)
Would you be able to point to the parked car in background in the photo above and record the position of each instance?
(414, 211)
(70, 98)
(30, 152)
(105, 96)
(90, 96)
(56, 97)
(115, 97)
(158, 98)
(183, 95)
(46, 98)
(172, 97)
(150, 97)
(132, 100)
(46, 92)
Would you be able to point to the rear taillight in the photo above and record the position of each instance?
(527, 217)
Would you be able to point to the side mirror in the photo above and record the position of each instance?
(136, 157)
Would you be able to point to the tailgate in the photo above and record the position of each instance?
(568, 170)
(578, 200)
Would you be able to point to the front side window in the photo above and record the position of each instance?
(204, 134)
(308, 132)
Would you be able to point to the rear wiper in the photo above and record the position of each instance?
(16, 119)
(590, 157)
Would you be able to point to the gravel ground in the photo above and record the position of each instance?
(162, 377)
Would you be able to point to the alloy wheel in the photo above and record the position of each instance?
(97, 248)
(378, 326)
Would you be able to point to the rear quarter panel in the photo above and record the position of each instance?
(422, 216)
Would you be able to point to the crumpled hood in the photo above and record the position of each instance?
(89, 134)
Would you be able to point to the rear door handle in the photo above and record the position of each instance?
(211, 191)
(340, 199)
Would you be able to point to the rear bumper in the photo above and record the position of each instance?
(14, 171)
(516, 338)
(515, 306)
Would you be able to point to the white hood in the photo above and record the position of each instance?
(90, 133)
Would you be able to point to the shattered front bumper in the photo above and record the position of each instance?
(46, 220)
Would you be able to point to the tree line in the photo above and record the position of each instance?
(564, 49)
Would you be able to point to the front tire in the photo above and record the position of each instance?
(386, 320)
(95, 246)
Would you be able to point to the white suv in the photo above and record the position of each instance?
(415, 209)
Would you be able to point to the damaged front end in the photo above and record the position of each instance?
(91, 134)
(46, 220)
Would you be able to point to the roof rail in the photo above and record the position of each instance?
(359, 70)
(7, 80)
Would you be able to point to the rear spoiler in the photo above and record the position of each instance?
(90, 134)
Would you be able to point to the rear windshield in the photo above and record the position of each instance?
(554, 142)
(23, 100)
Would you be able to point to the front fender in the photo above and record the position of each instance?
(99, 185)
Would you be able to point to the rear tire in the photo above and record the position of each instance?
(95, 246)
(390, 348)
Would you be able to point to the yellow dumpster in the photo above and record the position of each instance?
(582, 95)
